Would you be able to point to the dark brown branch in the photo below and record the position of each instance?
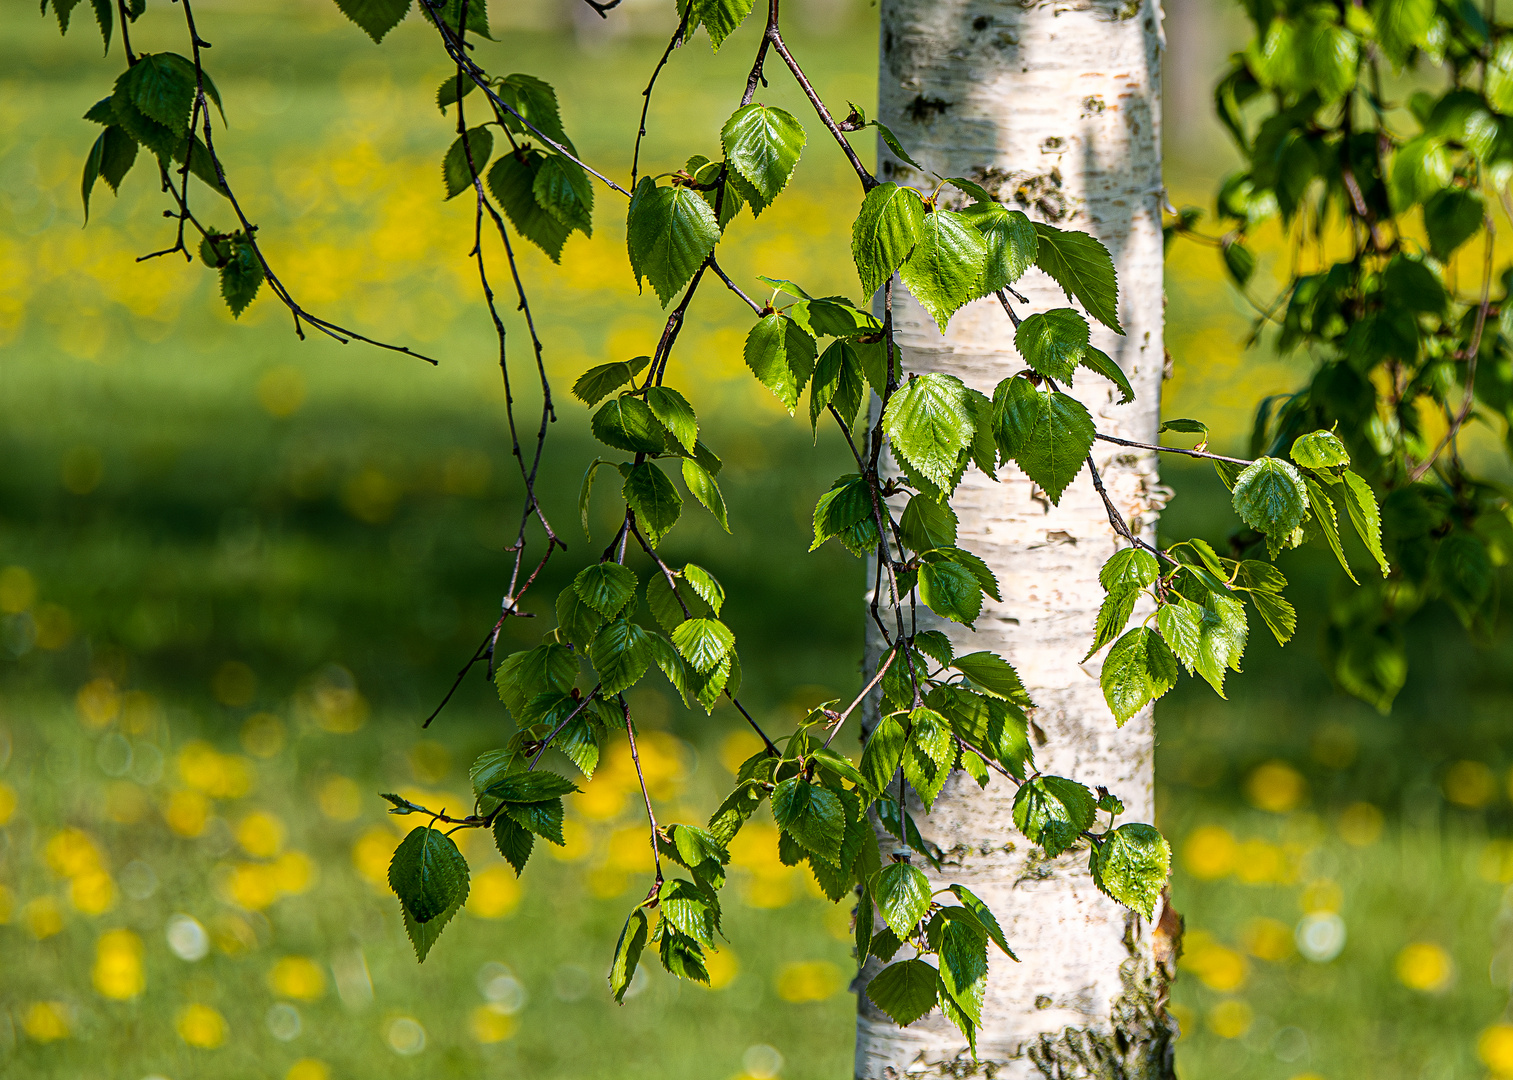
(677, 39)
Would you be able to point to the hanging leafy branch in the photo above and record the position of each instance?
(934, 712)
(1379, 137)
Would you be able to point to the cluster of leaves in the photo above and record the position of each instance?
(934, 713)
(1403, 358)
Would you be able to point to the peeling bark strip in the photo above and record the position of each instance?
(1088, 1000)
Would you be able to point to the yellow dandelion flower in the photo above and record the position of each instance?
(494, 894)
(809, 980)
(118, 972)
(201, 1026)
(371, 855)
(187, 812)
(1230, 1019)
(293, 872)
(601, 800)
(723, 966)
(7, 803)
(1470, 784)
(340, 799)
(42, 917)
(1425, 967)
(1267, 939)
(1217, 966)
(630, 850)
(46, 1021)
(92, 893)
(308, 1069)
(253, 886)
(577, 843)
(1209, 853)
(261, 834)
(1495, 1049)
(491, 1024)
(71, 852)
(297, 977)
(1276, 787)
(98, 702)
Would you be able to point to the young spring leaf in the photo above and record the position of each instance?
(964, 962)
(513, 841)
(606, 587)
(951, 591)
(812, 815)
(627, 423)
(456, 171)
(1324, 516)
(1129, 568)
(577, 620)
(543, 818)
(929, 754)
(1131, 865)
(670, 231)
(945, 265)
(1009, 240)
(241, 275)
(521, 676)
(780, 353)
(763, 144)
(905, 991)
(656, 502)
(535, 101)
(1113, 614)
(890, 140)
(927, 524)
(927, 423)
(703, 643)
(1138, 670)
(1049, 434)
(1100, 363)
(597, 383)
(703, 583)
(1277, 614)
(423, 935)
(720, 17)
(902, 895)
(676, 415)
(886, 230)
(985, 916)
(428, 873)
(1053, 812)
(1270, 496)
(621, 653)
(838, 382)
(530, 788)
(702, 485)
(687, 908)
(564, 191)
(1083, 268)
(1365, 515)
(1319, 450)
(1053, 342)
(628, 953)
(512, 180)
(994, 675)
(883, 753)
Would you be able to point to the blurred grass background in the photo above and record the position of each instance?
(237, 569)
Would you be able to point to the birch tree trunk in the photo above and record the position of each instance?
(1054, 108)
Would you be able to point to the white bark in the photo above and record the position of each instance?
(1054, 107)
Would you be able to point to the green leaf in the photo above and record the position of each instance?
(703, 487)
(994, 675)
(780, 353)
(656, 502)
(447, 93)
(927, 524)
(1083, 268)
(586, 490)
(606, 587)
(947, 261)
(703, 583)
(455, 173)
(597, 383)
(885, 232)
(927, 423)
(428, 873)
(241, 275)
(162, 87)
(451, 12)
(883, 753)
(763, 144)
(513, 841)
(1010, 242)
(720, 17)
(1498, 85)
(676, 415)
(579, 741)
(1131, 865)
(1420, 168)
(891, 141)
(682, 956)
(1053, 342)
(512, 180)
(1270, 496)
(536, 101)
(1129, 568)
(1319, 450)
(1139, 669)
(1113, 614)
(837, 382)
(703, 643)
(848, 502)
(1222, 636)
(627, 423)
(1053, 812)
(687, 909)
(564, 191)
(670, 231)
(985, 917)
(578, 621)
(902, 895)
(812, 815)
(1451, 217)
(1099, 362)
(1360, 502)
(1185, 427)
(964, 963)
(1277, 614)
(905, 991)
(930, 753)
(1324, 516)
(543, 818)
(521, 676)
(1050, 434)
(530, 788)
(423, 935)
(951, 591)
(621, 653)
(628, 953)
